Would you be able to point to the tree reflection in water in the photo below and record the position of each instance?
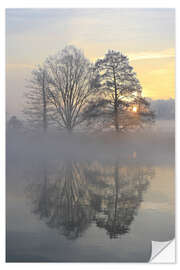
(82, 193)
(123, 199)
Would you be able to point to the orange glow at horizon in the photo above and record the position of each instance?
(134, 109)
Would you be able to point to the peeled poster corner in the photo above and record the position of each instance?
(163, 252)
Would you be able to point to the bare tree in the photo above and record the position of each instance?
(120, 103)
(37, 109)
(71, 83)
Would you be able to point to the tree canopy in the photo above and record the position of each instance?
(71, 83)
(119, 103)
(37, 108)
(71, 92)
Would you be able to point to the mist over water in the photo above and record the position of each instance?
(94, 197)
(90, 134)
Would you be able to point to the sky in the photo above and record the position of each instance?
(146, 36)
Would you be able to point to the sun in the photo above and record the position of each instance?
(134, 109)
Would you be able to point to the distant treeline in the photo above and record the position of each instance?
(164, 109)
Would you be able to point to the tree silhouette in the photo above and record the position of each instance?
(38, 109)
(71, 83)
(120, 104)
(14, 123)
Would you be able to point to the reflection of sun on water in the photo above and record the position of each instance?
(134, 109)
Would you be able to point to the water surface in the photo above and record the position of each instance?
(88, 199)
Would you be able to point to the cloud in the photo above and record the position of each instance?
(152, 55)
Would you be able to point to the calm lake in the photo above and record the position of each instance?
(88, 210)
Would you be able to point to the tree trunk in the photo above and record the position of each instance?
(116, 122)
(44, 105)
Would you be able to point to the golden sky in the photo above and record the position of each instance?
(146, 36)
(155, 71)
(157, 77)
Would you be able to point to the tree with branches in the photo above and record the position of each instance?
(120, 103)
(37, 109)
(71, 83)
